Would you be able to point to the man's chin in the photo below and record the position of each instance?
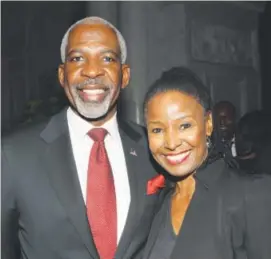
(225, 133)
(91, 116)
(95, 116)
(94, 111)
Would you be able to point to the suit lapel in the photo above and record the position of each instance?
(63, 176)
(131, 157)
(137, 180)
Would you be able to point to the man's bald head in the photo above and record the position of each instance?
(94, 20)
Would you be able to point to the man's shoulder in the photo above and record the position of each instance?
(134, 130)
(237, 182)
(138, 128)
(23, 143)
(24, 133)
(35, 131)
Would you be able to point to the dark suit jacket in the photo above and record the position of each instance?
(263, 160)
(229, 217)
(43, 211)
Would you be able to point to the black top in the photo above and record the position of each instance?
(228, 217)
(166, 238)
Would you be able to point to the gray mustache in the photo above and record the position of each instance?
(90, 81)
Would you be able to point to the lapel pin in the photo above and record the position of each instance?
(133, 152)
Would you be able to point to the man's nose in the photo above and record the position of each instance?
(222, 121)
(92, 70)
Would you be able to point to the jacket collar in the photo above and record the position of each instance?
(58, 125)
(206, 176)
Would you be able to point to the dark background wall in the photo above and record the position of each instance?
(32, 33)
(31, 37)
(265, 55)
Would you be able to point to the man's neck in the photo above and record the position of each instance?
(100, 121)
(227, 139)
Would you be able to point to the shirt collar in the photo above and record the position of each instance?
(81, 127)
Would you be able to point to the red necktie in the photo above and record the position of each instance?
(101, 198)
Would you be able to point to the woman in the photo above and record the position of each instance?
(209, 210)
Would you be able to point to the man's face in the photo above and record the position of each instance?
(225, 121)
(92, 74)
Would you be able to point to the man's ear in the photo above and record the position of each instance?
(61, 74)
(209, 124)
(125, 76)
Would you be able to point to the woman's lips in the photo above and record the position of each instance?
(178, 158)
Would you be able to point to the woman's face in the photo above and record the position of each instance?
(177, 129)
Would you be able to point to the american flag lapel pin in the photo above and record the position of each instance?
(133, 152)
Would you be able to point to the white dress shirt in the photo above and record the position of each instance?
(233, 147)
(81, 146)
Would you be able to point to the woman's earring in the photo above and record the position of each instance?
(208, 142)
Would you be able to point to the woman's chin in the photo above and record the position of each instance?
(179, 174)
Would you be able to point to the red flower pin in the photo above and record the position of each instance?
(155, 184)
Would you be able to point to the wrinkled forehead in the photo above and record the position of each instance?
(91, 33)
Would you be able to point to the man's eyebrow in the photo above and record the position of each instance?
(111, 52)
(73, 50)
(106, 51)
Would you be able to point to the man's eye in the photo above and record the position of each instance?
(76, 59)
(185, 126)
(109, 59)
(156, 130)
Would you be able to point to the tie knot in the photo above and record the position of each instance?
(98, 134)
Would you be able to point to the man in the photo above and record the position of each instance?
(252, 139)
(75, 187)
(224, 130)
(263, 161)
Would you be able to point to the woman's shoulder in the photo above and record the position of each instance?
(241, 183)
(222, 176)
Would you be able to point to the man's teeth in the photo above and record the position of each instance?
(94, 91)
(179, 157)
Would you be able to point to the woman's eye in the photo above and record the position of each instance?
(156, 130)
(185, 126)
(76, 59)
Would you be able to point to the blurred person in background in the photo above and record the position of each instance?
(252, 139)
(223, 137)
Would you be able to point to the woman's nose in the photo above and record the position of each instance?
(172, 141)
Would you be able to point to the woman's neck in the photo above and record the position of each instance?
(186, 186)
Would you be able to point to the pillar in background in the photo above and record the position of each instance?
(133, 27)
(217, 40)
(130, 19)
